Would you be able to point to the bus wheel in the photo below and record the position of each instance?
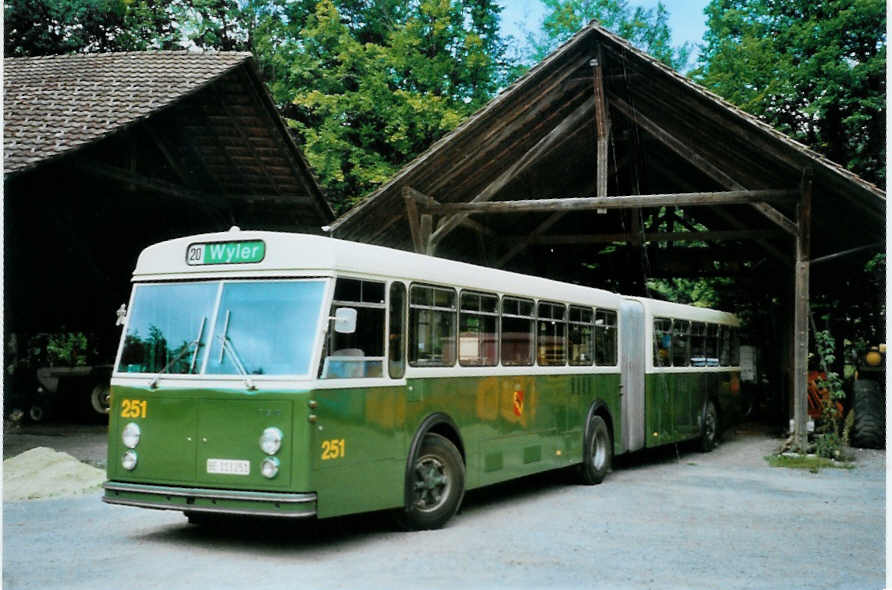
(437, 484)
(99, 399)
(709, 430)
(597, 453)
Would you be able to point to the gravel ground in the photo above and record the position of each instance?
(661, 520)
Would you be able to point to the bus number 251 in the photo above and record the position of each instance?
(332, 449)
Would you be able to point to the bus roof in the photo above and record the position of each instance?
(296, 255)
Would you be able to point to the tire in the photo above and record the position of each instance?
(99, 399)
(37, 413)
(202, 518)
(709, 428)
(437, 484)
(868, 429)
(597, 451)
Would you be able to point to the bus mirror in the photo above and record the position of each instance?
(345, 320)
(122, 315)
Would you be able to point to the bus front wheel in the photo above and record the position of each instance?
(597, 453)
(437, 484)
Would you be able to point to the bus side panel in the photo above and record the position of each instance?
(675, 403)
(731, 405)
(518, 425)
(358, 448)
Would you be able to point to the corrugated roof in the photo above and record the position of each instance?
(57, 104)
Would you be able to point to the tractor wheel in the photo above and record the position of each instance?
(868, 430)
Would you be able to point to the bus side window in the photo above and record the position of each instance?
(396, 338)
(698, 344)
(478, 329)
(724, 346)
(431, 326)
(517, 331)
(551, 345)
(681, 343)
(580, 334)
(735, 347)
(712, 345)
(360, 354)
(662, 342)
(605, 338)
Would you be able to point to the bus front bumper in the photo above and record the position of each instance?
(301, 505)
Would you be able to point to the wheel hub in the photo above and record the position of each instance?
(431, 484)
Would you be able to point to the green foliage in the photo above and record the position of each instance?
(829, 440)
(46, 27)
(812, 463)
(646, 28)
(702, 292)
(813, 70)
(368, 98)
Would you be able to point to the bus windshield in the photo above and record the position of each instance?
(223, 328)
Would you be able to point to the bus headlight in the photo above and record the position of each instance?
(128, 461)
(130, 435)
(271, 440)
(269, 467)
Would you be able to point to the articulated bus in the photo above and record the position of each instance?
(292, 375)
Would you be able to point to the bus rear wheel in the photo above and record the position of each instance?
(709, 432)
(437, 484)
(597, 453)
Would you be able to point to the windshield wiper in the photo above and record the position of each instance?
(227, 344)
(196, 343)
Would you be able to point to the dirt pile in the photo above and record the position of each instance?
(44, 473)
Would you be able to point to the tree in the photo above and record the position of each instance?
(813, 70)
(373, 86)
(46, 27)
(647, 29)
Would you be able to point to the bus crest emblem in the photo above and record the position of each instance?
(518, 403)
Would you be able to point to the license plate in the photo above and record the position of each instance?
(229, 467)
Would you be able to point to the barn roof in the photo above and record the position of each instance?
(209, 112)
(537, 138)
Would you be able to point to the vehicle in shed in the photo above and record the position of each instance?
(293, 375)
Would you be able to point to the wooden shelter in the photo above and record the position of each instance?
(605, 167)
(105, 154)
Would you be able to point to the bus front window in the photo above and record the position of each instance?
(259, 328)
(167, 327)
(265, 328)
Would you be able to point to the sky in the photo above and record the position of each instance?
(686, 18)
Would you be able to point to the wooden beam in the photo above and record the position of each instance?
(547, 142)
(525, 241)
(801, 315)
(782, 257)
(672, 236)
(602, 125)
(618, 202)
(414, 218)
(168, 157)
(416, 200)
(125, 176)
(425, 234)
(164, 187)
(698, 160)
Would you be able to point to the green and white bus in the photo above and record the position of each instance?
(292, 375)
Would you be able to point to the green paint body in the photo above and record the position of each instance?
(502, 439)
(674, 403)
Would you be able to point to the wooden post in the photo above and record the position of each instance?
(801, 303)
(427, 222)
(602, 126)
(412, 214)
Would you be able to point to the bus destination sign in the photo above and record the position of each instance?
(226, 253)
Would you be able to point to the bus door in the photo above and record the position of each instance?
(632, 354)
